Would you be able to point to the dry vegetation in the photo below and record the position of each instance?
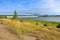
(37, 29)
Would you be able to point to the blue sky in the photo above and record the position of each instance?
(50, 7)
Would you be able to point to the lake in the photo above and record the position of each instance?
(57, 19)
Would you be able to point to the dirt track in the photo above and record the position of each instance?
(5, 34)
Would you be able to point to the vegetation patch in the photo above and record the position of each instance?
(29, 27)
(58, 26)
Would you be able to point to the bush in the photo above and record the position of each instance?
(21, 20)
(1, 16)
(5, 16)
(36, 23)
(58, 26)
(45, 24)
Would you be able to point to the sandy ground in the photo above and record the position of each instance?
(5, 34)
(26, 37)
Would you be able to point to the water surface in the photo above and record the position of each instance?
(57, 19)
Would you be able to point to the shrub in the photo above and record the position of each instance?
(45, 24)
(5, 16)
(58, 26)
(21, 20)
(36, 23)
(1, 16)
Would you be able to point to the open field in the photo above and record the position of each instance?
(33, 29)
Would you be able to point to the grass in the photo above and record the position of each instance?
(29, 27)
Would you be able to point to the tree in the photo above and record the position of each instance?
(15, 16)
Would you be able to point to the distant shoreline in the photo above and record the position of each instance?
(29, 16)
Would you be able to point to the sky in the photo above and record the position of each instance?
(49, 7)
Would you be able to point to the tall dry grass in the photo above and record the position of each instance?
(29, 28)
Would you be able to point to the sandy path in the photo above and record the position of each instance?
(5, 34)
(26, 37)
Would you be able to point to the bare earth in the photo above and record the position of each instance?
(5, 34)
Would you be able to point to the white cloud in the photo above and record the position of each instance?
(52, 6)
(19, 6)
(47, 4)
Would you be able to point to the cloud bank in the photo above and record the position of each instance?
(50, 7)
